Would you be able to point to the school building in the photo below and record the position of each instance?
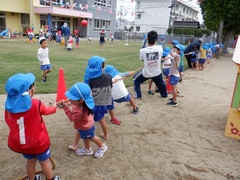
(20, 15)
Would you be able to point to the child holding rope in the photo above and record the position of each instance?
(81, 114)
(28, 134)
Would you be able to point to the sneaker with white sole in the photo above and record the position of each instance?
(172, 103)
(84, 151)
(100, 152)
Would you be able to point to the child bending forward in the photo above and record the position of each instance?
(81, 114)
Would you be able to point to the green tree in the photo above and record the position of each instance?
(223, 17)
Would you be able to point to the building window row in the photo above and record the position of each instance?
(106, 3)
(101, 24)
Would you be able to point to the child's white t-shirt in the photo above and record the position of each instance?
(43, 56)
(119, 89)
(167, 62)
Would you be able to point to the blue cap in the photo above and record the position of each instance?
(175, 42)
(166, 53)
(109, 69)
(182, 47)
(167, 49)
(18, 99)
(205, 46)
(81, 91)
(178, 47)
(94, 68)
(162, 37)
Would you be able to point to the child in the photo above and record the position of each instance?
(209, 54)
(203, 55)
(24, 114)
(166, 61)
(59, 37)
(30, 36)
(181, 65)
(174, 74)
(77, 37)
(112, 37)
(193, 58)
(119, 90)
(101, 85)
(162, 42)
(69, 46)
(81, 114)
(43, 58)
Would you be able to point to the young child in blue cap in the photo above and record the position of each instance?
(119, 90)
(174, 74)
(81, 115)
(28, 134)
(101, 86)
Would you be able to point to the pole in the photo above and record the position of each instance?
(120, 24)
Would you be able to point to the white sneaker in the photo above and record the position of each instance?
(100, 152)
(84, 151)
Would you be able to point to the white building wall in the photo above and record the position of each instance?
(157, 15)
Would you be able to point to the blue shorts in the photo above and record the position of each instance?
(40, 157)
(98, 112)
(166, 72)
(87, 134)
(111, 107)
(201, 61)
(174, 79)
(123, 99)
(180, 68)
(193, 60)
(101, 42)
(45, 67)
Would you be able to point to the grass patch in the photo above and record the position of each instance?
(19, 56)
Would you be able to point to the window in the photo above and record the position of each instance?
(101, 24)
(2, 22)
(138, 16)
(25, 20)
(137, 28)
(138, 4)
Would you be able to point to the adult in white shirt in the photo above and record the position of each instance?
(151, 56)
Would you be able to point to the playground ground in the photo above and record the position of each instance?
(163, 143)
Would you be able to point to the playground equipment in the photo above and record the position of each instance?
(233, 123)
(4, 33)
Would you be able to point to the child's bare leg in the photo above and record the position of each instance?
(76, 141)
(86, 144)
(174, 92)
(111, 113)
(44, 74)
(132, 103)
(150, 85)
(48, 71)
(104, 128)
(30, 166)
(97, 141)
(47, 169)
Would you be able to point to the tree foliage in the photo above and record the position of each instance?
(222, 16)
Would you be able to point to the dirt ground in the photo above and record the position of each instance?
(160, 142)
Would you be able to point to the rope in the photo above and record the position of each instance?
(40, 171)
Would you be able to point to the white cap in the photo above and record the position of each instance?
(201, 39)
(41, 38)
